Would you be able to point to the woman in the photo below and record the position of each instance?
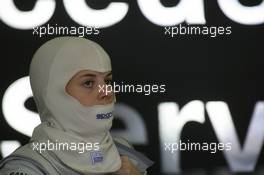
(65, 76)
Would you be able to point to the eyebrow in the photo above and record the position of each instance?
(93, 75)
(88, 75)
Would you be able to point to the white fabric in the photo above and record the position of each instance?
(63, 118)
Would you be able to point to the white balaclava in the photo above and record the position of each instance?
(63, 118)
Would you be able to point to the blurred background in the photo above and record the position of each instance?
(214, 85)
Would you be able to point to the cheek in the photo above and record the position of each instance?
(87, 98)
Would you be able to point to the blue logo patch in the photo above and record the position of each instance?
(97, 157)
(104, 116)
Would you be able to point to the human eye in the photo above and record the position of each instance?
(88, 84)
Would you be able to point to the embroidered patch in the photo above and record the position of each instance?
(104, 116)
(17, 173)
(97, 157)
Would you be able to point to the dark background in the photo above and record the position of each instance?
(227, 68)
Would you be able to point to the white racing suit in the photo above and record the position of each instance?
(25, 161)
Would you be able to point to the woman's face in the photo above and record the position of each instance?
(86, 87)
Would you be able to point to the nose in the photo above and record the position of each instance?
(105, 93)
